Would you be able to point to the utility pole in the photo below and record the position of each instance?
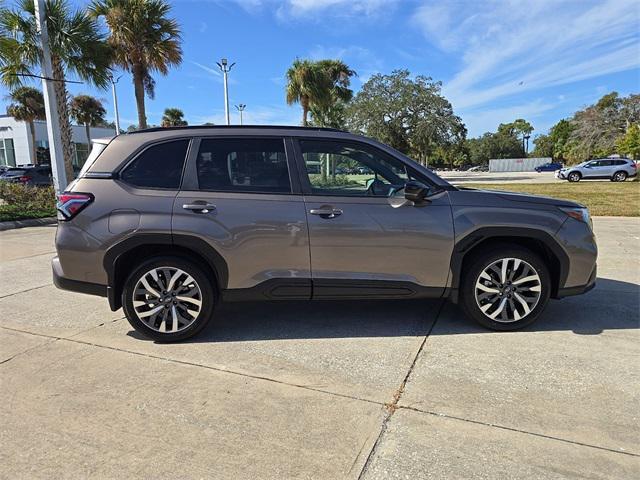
(241, 108)
(51, 109)
(222, 64)
(115, 102)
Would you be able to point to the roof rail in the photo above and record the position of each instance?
(222, 127)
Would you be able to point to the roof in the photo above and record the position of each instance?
(242, 127)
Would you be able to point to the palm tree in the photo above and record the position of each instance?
(88, 111)
(318, 86)
(27, 106)
(77, 47)
(144, 41)
(173, 117)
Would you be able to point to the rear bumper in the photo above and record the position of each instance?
(63, 283)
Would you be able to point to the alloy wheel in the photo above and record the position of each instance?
(167, 299)
(508, 290)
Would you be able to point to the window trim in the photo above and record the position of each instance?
(190, 177)
(307, 189)
(136, 154)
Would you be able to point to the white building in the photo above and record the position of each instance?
(517, 164)
(16, 147)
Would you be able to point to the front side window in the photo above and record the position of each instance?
(243, 165)
(159, 166)
(337, 168)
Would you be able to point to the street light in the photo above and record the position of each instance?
(241, 108)
(526, 138)
(222, 64)
(115, 102)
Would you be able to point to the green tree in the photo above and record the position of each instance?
(543, 146)
(629, 143)
(409, 114)
(560, 135)
(88, 111)
(144, 40)
(77, 47)
(173, 117)
(319, 87)
(519, 128)
(501, 144)
(27, 105)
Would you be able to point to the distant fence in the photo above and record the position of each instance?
(516, 164)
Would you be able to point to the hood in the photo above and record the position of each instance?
(471, 196)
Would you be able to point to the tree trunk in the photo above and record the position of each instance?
(87, 129)
(138, 85)
(62, 106)
(34, 147)
(304, 102)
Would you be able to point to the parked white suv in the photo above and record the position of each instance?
(615, 169)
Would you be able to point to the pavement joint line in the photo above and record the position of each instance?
(28, 350)
(29, 256)
(24, 291)
(393, 406)
(199, 365)
(511, 429)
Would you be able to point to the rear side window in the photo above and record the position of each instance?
(243, 165)
(159, 166)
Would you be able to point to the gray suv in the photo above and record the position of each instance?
(167, 223)
(614, 169)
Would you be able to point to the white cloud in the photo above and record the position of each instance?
(481, 120)
(509, 47)
(210, 70)
(297, 9)
(362, 60)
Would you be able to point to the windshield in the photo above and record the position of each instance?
(95, 153)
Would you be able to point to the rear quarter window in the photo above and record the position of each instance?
(158, 166)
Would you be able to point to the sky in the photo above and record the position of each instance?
(498, 60)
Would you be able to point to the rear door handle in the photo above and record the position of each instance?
(200, 207)
(326, 212)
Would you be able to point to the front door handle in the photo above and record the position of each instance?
(200, 207)
(326, 212)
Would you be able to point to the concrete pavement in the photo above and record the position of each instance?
(371, 390)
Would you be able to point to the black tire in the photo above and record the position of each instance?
(619, 176)
(574, 177)
(208, 297)
(477, 265)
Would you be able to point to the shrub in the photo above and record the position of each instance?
(22, 201)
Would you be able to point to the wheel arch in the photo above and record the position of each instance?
(121, 258)
(538, 241)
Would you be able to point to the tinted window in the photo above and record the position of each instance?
(336, 168)
(243, 165)
(619, 162)
(159, 166)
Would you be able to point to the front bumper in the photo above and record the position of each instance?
(63, 283)
(579, 290)
(560, 175)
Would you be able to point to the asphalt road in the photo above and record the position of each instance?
(372, 390)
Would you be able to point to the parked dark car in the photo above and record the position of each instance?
(33, 175)
(549, 167)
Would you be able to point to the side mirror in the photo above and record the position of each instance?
(415, 192)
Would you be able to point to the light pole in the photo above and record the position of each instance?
(51, 109)
(115, 102)
(241, 108)
(222, 64)
(526, 138)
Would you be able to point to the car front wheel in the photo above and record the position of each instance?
(574, 177)
(506, 288)
(168, 299)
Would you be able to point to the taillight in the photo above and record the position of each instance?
(24, 178)
(70, 204)
(634, 165)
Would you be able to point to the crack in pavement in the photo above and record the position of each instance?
(27, 290)
(393, 406)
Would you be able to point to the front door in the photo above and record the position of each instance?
(365, 238)
(237, 196)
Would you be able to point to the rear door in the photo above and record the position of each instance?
(365, 238)
(238, 196)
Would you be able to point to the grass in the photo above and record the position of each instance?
(602, 198)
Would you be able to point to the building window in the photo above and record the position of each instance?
(7, 152)
(81, 153)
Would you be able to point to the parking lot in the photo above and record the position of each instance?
(372, 390)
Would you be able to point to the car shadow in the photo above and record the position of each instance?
(612, 305)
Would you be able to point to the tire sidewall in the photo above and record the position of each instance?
(623, 176)
(574, 177)
(478, 264)
(209, 298)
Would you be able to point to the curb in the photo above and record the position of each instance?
(31, 222)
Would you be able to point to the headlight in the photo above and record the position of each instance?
(580, 214)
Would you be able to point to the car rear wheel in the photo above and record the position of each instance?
(574, 177)
(168, 299)
(506, 288)
(619, 177)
